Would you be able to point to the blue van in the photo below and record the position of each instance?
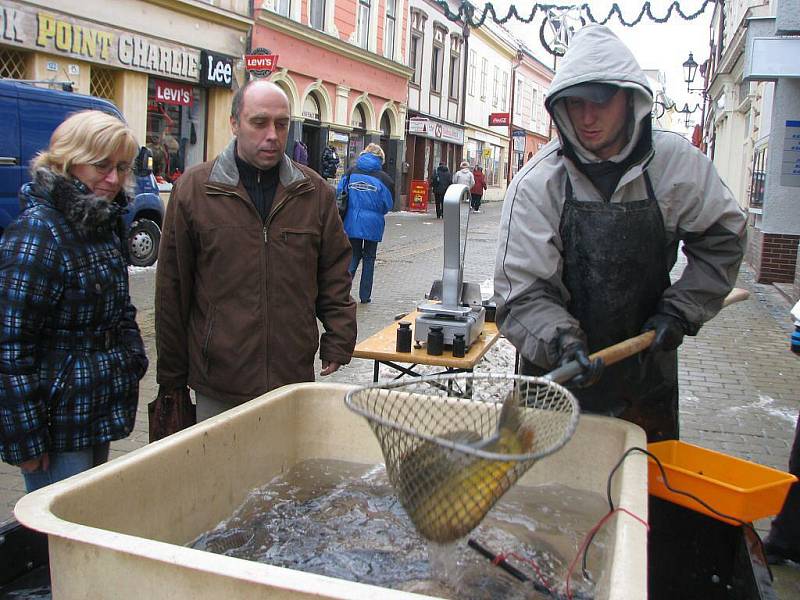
(29, 115)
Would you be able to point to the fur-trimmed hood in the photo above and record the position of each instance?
(90, 215)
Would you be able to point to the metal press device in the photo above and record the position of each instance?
(460, 310)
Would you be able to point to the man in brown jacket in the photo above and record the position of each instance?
(253, 253)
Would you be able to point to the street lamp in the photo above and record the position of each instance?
(689, 73)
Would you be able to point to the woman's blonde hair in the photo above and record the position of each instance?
(376, 150)
(86, 137)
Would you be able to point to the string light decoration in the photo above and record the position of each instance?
(659, 108)
(472, 17)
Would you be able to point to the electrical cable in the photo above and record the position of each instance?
(703, 503)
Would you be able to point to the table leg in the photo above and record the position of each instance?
(376, 367)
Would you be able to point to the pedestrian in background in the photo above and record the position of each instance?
(590, 231)
(464, 175)
(441, 180)
(330, 162)
(476, 192)
(783, 541)
(253, 253)
(370, 197)
(71, 354)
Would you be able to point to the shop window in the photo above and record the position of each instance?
(386, 125)
(12, 64)
(175, 127)
(311, 108)
(101, 83)
(758, 178)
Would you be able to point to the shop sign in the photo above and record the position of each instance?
(177, 94)
(498, 119)
(435, 130)
(518, 133)
(261, 62)
(55, 33)
(216, 70)
(790, 160)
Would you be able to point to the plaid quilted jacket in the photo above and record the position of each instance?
(71, 355)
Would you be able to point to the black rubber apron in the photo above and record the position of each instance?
(615, 269)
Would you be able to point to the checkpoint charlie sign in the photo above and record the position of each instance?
(59, 34)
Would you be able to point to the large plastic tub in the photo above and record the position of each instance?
(118, 531)
(733, 486)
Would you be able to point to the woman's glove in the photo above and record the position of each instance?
(591, 370)
(669, 332)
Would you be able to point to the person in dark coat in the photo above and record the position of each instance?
(476, 193)
(71, 354)
(330, 162)
(369, 190)
(440, 181)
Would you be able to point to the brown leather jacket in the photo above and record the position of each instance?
(237, 299)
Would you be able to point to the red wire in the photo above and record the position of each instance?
(589, 536)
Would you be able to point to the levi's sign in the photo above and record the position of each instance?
(499, 119)
(170, 92)
(261, 62)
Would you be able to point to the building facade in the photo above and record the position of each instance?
(169, 66)
(529, 119)
(753, 127)
(342, 67)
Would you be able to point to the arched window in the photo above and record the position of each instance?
(386, 125)
(311, 108)
(359, 120)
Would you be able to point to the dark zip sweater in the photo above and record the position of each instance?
(260, 184)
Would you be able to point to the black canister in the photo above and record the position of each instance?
(435, 340)
(403, 337)
(459, 345)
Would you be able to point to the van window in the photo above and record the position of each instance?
(10, 167)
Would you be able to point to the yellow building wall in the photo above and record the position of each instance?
(130, 96)
(37, 69)
(219, 127)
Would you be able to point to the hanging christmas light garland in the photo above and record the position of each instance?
(467, 13)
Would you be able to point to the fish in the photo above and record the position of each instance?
(447, 492)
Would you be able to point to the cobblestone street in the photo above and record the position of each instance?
(737, 377)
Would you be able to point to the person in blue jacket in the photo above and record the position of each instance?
(369, 192)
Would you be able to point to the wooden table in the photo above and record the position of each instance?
(380, 348)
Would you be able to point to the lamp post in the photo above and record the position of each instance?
(689, 73)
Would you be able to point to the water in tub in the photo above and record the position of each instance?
(343, 520)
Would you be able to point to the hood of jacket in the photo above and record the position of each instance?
(91, 215)
(369, 162)
(596, 55)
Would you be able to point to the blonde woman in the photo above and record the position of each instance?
(71, 355)
(369, 190)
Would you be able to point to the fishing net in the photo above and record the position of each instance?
(454, 444)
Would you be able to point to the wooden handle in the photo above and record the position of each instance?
(624, 349)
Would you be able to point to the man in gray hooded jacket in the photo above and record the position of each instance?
(590, 231)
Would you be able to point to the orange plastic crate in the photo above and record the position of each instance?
(735, 487)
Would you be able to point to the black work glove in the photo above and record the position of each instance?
(669, 332)
(591, 370)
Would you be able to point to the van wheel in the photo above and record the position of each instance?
(143, 239)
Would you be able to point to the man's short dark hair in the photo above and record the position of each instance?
(238, 100)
